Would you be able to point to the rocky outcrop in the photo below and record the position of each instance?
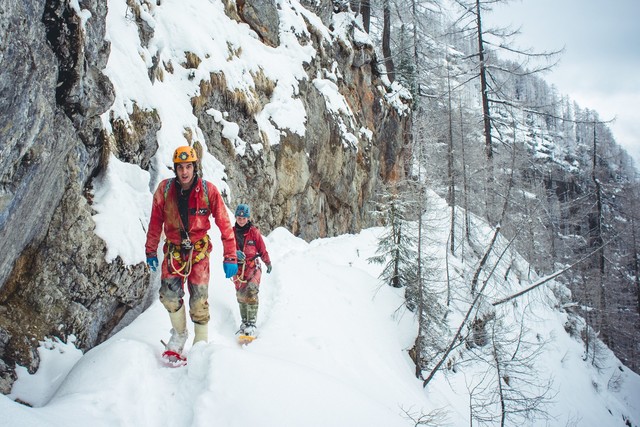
(53, 277)
(54, 280)
(262, 17)
(313, 185)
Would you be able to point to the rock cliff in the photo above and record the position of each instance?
(57, 133)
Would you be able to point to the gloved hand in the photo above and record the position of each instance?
(230, 269)
(241, 256)
(152, 262)
(268, 268)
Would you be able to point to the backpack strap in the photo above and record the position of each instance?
(205, 192)
(167, 187)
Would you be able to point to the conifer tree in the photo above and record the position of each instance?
(397, 245)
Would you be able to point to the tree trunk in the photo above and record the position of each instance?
(597, 241)
(483, 86)
(365, 10)
(386, 42)
(421, 306)
(503, 405)
(452, 183)
(395, 282)
(465, 182)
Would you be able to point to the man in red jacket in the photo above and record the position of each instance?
(251, 248)
(182, 207)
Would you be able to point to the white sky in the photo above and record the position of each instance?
(600, 68)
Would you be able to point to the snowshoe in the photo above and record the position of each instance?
(245, 339)
(241, 328)
(171, 358)
(247, 333)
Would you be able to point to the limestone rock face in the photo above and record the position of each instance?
(313, 185)
(323, 8)
(54, 280)
(262, 17)
(53, 277)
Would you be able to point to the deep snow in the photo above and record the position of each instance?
(332, 351)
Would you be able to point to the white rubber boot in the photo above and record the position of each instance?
(201, 332)
(179, 333)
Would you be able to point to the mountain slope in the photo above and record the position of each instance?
(331, 351)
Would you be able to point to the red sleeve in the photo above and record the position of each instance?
(220, 216)
(154, 231)
(261, 247)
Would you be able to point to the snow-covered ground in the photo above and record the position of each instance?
(332, 351)
(328, 353)
(334, 341)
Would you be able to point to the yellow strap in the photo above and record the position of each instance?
(241, 273)
(201, 247)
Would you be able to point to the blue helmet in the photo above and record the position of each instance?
(243, 211)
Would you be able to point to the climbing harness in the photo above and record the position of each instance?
(244, 265)
(183, 255)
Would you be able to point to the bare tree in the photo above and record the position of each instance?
(486, 113)
(386, 41)
(510, 392)
(597, 240)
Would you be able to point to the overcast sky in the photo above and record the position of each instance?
(600, 68)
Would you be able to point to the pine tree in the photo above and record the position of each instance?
(397, 246)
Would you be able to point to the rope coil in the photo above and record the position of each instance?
(185, 258)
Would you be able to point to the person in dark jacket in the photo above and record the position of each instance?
(250, 250)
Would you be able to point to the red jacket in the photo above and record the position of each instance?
(254, 246)
(165, 212)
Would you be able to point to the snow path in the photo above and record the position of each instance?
(322, 357)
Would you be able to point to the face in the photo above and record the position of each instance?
(185, 172)
(242, 221)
